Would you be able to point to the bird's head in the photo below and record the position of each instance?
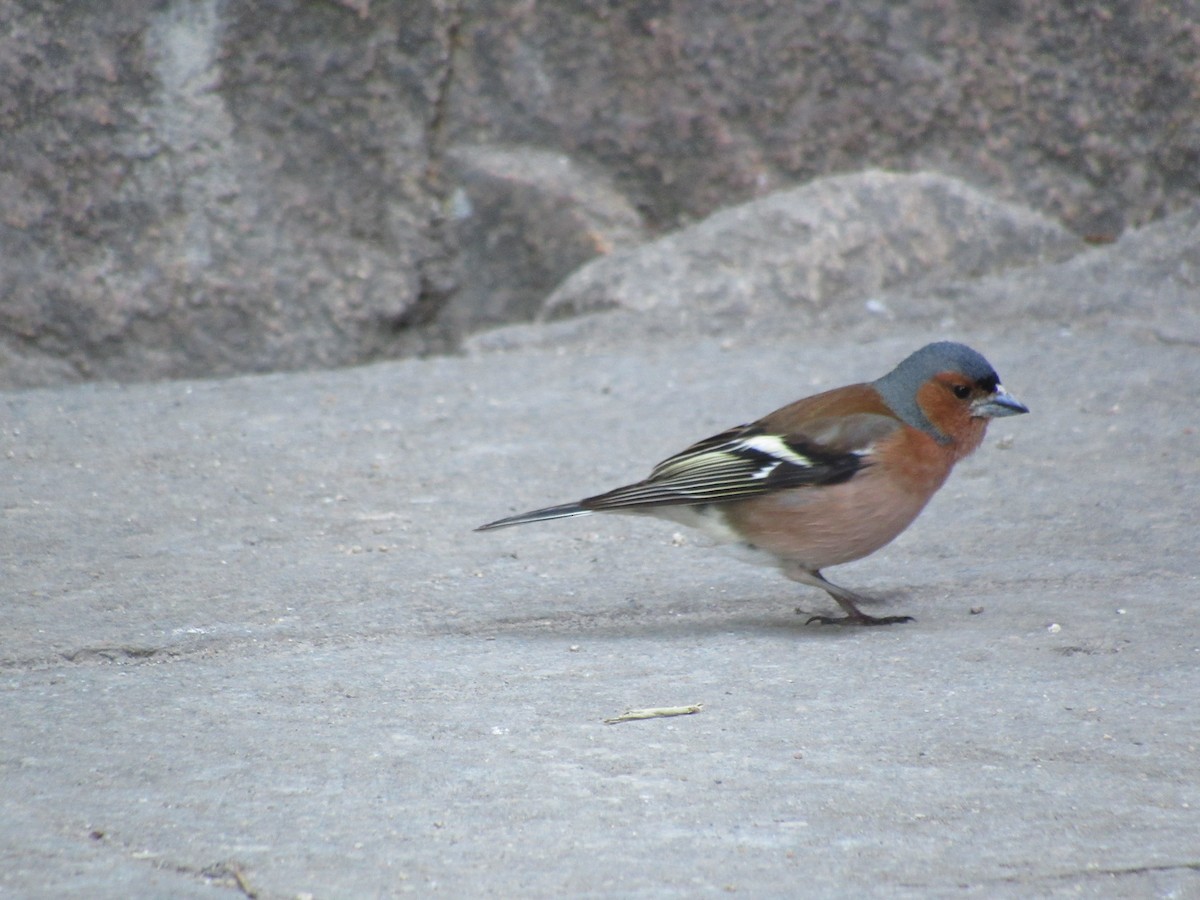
(949, 391)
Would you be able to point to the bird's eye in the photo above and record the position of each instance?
(961, 391)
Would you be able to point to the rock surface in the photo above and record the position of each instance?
(201, 188)
(1081, 112)
(524, 221)
(250, 641)
(196, 188)
(811, 248)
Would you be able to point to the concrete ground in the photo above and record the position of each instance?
(250, 644)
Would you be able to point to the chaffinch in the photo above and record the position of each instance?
(827, 479)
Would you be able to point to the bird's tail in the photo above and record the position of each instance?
(566, 511)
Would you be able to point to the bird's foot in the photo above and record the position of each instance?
(860, 619)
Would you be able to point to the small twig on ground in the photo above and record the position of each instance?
(655, 712)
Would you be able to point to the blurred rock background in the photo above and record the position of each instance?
(205, 187)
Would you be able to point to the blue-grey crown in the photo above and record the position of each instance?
(899, 386)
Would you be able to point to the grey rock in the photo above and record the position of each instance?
(1147, 281)
(1150, 277)
(813, 248)
(1084, 114)
(194, 188)
(198, 188)
(525, 219)
(1155, 269)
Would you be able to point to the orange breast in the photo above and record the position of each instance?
(826, 526)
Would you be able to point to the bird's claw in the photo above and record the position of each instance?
(861, 619)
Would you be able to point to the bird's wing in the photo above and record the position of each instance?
(753, 459)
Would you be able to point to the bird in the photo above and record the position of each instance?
(825, 480)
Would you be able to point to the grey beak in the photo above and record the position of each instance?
(999, 404)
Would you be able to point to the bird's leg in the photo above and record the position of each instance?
(847, 600)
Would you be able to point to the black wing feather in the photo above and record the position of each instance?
(742, 462)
